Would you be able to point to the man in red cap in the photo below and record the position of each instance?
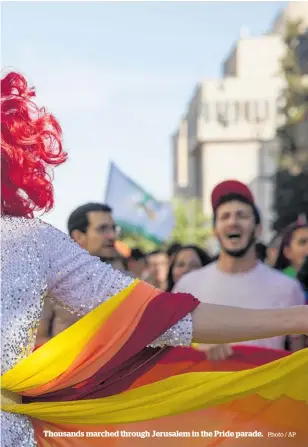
(238, 225)
(238, 278)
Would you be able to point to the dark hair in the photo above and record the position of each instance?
(232, 196)
(136, 254)
(302, 275)
(173, 249)
(282, 262)
(261, 251)
(202, 255)
(78, 219)
(156, 252)
(125, 263)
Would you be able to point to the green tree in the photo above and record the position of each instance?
(191, 226)
(290, 198)
(294, 106)
(134, 240)
(296, 91)
(290, 195)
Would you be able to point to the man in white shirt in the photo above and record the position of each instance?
(238, 278)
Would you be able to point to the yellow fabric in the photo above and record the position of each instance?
(179, 394)
(48, 362)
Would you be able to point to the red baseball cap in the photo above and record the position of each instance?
(231, 187)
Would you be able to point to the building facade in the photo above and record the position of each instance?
(229, 129)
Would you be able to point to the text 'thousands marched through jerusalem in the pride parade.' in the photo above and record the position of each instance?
(174, 434)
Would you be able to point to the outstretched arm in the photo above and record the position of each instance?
(81, 282)
(224, 324)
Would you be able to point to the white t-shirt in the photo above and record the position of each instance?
(261, 288)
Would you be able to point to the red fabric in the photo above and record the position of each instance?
(253, 355)
(134, 359)
(186, 360)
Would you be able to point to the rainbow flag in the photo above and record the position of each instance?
(98, 383)
(137, 211)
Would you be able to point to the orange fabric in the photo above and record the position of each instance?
(160, 371)
(284, 417)
(106, 342)
(197, 363)
(123, 249)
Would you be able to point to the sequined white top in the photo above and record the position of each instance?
(36, 260)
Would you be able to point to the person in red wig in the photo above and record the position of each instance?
(127, 325)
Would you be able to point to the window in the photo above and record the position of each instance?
(262, 111)
(234, 112)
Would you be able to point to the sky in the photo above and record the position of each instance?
(118, 76)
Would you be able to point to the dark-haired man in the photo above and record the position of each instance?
(94, 229)
(238, 278)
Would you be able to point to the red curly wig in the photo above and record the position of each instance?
(31, 146)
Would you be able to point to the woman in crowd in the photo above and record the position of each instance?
(292, 253)
(293, 249)
(187, 258)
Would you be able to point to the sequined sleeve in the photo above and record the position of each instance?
(79, 282)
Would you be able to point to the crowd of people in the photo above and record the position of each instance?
(245, 272)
